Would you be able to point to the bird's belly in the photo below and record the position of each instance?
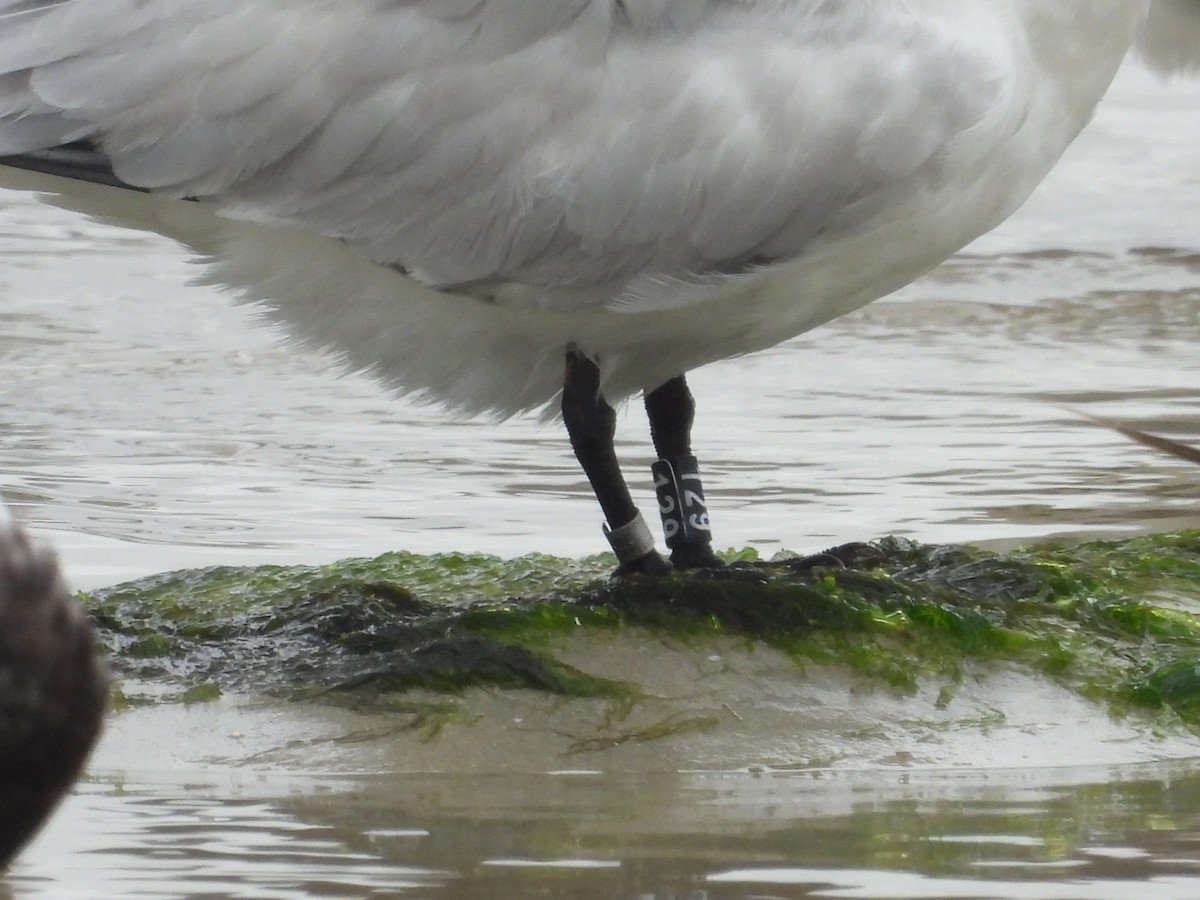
(832, 278)
(483, 356)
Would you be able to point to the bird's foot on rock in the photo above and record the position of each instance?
(651, 563)
(634, 546)
(695, 555)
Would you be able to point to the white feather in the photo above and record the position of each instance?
(664, 182)
(1170, 42)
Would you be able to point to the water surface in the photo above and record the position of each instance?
(1087, 835)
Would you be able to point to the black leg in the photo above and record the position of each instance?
(671, 410)
(591, 424)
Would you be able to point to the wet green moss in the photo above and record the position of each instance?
(1118, 621)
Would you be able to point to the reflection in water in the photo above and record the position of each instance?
(714, 835)
(190, 842)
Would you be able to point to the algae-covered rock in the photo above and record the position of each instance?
(1114, 621)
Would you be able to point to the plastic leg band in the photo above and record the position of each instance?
(681, 501)
(631, 541)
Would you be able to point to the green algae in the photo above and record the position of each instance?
(1118, 621)
(201, 693)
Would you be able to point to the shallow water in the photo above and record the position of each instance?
(149, 426)
(700, 836)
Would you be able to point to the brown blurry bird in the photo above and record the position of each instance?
(53, 688)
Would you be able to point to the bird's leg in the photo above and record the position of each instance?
(591, 423)
(671, 409)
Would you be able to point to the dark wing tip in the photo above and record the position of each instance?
(80, 160)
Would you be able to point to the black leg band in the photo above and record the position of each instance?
(681, 501)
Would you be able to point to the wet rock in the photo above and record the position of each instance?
(1116, 622)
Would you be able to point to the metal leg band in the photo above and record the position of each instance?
(631, 541)
(681, 501)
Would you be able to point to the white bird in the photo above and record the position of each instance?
(459, 195)
(1170, 40)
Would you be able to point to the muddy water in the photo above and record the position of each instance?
(148, 425)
